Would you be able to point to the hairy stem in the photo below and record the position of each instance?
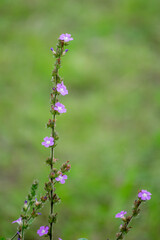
(14, 236)
(58, 61)
(52, 157)
(121, 235)
(125, 227)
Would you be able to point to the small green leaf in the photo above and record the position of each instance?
(82, 239)
(2, 238)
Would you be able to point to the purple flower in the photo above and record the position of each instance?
(19, 221)
(65, 51)
(43, 230)
(25, 205)
(61, 88)
(36, 202)
(144, 195)
(65, 37)
(59, 238)
(52, 49)
(121, 214)
(18, 235)
(48, 141)
(61, 178)
(59, 107)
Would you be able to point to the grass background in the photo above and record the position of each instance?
(110, 133)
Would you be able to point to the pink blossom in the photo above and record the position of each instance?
(65, 37)
(43, 230)
(121, 214)
(61, 88)
(61, 178)
(144, 195)
(59, 107)
(19, 221)
(48, 141)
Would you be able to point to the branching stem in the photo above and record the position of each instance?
(14, 236)
(125, 227)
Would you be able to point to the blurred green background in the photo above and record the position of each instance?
(110, 133)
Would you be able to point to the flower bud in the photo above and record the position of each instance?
(48, 187)
(65, 167)
(64, 53)
(56, 199)
(44, 198)
(119, 235)
(54, 73)
(25, 206)
(52, 218)
(56, 137)
(49, 161)
(55, 160)
(124, 219)
(52, 175)
(54, 52)
(37, 203)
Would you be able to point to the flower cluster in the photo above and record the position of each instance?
(59, 88)
(143, 195)
(56, 108)
(30, 210)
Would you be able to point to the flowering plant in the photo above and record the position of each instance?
(32, 205)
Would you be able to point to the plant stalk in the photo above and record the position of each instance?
(127, 221)
(53, 135)
(14, 236)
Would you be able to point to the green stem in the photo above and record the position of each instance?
(122, 233)
(52, 148)
(14, 236)
(22, 231)
(125, 228)
(52, 157)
